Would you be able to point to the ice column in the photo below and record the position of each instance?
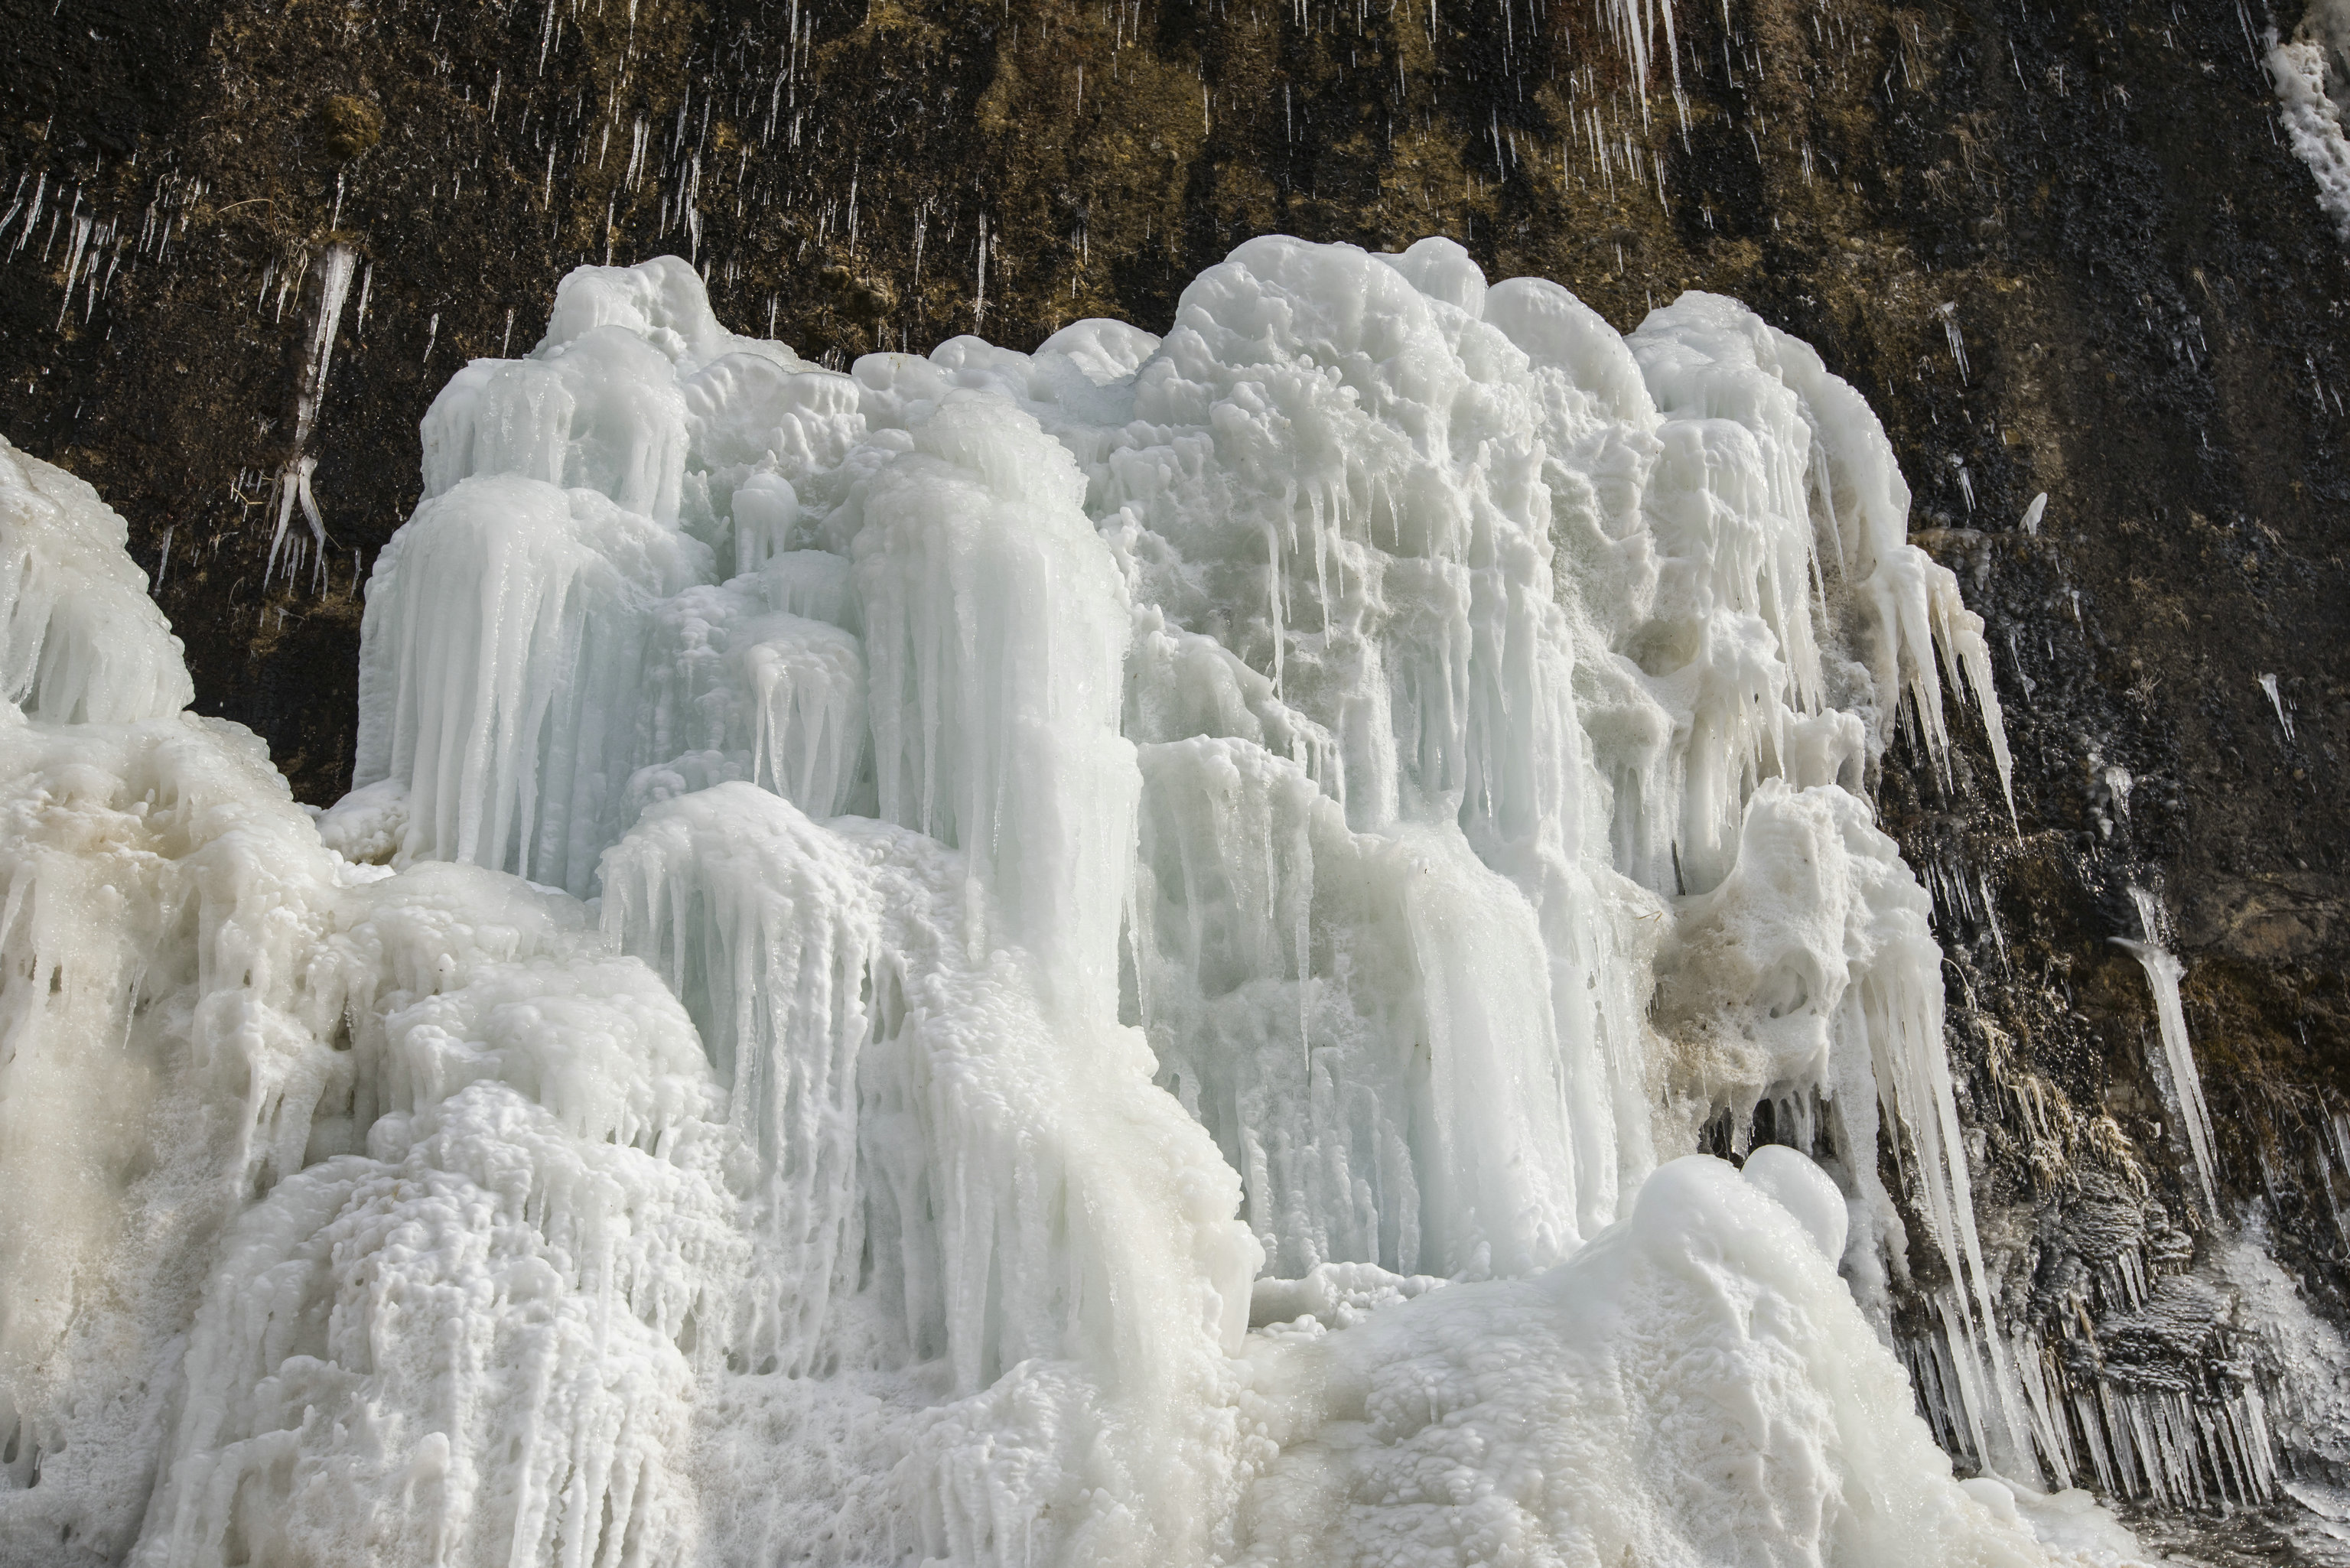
(768, 929)
(995, 635)
(500, 662)
(1363, 1020)
(161, 1051)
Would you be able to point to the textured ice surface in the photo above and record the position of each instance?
(1682, 1391)
(1109, 955)
(2311, 71)
(80, 639)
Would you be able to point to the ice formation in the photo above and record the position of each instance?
(2276, 704)
(2311, 71)
(81, 642)
(1108, 955)
(2176, 1075)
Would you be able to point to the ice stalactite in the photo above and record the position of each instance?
(2276, 701)
(2175, 1073)
(741, 689)
(1084, 957)
(2269, 1397)
(335, 269)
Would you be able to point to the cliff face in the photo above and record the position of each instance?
(2063, 251)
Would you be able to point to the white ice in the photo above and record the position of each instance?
(1683, 1391)
(1107, 955)
(2311, 72)
(2276, 701)
(2176, 1076)
(81, 642)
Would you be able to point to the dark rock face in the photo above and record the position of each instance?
(2060, 250)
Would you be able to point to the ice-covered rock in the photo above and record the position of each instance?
(886, 918)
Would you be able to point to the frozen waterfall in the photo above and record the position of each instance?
(1106, 956)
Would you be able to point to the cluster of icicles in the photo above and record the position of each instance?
(1105, 956)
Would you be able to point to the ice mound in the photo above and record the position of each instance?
(1082, 957)
(1694, 1387)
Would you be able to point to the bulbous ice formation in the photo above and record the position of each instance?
(1084, 957)
(80, 639)
(1565, 1418)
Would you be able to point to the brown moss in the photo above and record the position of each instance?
(347, 126)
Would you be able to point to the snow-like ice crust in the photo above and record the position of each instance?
(1094, 956)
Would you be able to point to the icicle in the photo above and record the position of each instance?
(2276, 700)
(2175, 1073)
(294, 478)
